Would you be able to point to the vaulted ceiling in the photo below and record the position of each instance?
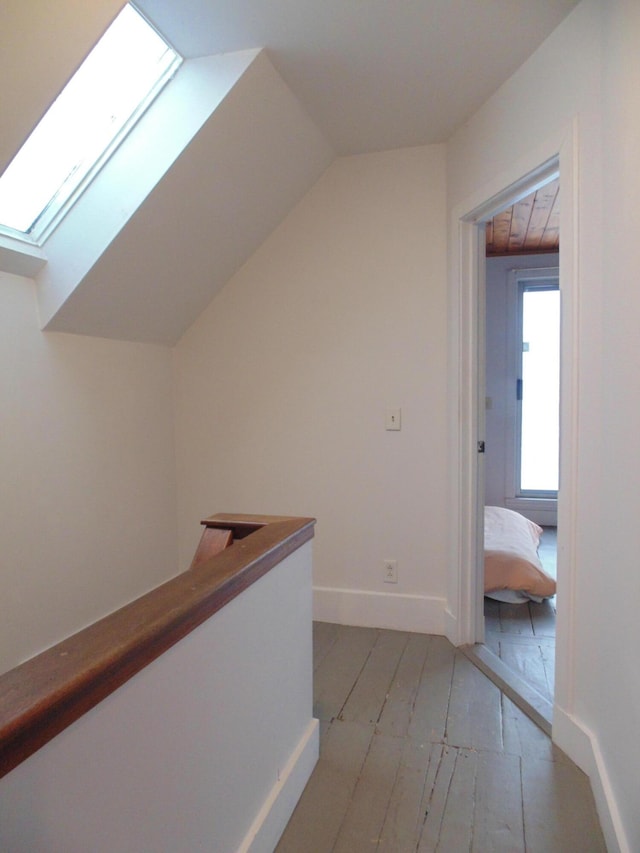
(335, 77)
(372, 75)
(377, 74)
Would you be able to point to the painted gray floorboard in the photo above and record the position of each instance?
(492, 614)
(494, 637)
(522, 737)
(516, 619)
(434, 803)
(528, 663)
(475, 709)
(324, 636)
(400, 700)
(543, 618)
(523, 637)
(337, 674)
(365, 816)
(559, 812)
(369, 694)
(460, 770)
(413, 785)
(454, 802)
(429, 716)
(498, 821)
(548, 654)
(317, 818)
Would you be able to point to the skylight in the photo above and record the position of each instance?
(108, 93)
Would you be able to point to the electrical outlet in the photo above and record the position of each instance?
(390, 571)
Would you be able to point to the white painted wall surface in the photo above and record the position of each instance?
(87, 494)
(612, 705)
(282, 383)
(557, 92)
(197, 752)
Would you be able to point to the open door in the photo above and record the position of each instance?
(522, 371)
(471, 405)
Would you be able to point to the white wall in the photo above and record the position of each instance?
(612, 704)
(282, 385)
(499, 373)
(556, 96)
(87, 495)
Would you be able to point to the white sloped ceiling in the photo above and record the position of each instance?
(150, 271)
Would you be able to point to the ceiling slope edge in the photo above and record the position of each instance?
(231, 151)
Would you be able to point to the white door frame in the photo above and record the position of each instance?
(465, 617)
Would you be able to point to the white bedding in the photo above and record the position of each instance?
(512, 568)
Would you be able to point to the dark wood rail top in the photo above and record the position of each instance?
(44, 695)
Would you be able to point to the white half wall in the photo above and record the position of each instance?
(88, 481)
(282, 384)
(197, 752)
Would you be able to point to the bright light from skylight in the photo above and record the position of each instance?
(116, 82)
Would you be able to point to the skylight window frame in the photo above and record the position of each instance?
(74, 186)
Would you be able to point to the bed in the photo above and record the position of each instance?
(512, 568)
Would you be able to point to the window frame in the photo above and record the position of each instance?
(73, 187)
(519, 279)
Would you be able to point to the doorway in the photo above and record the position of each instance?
(521, 462)
(468, 412)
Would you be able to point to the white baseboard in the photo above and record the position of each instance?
(543, 512)
(451, 627)
(544, 519)
(363, 608)
(271, 820)
(582, 747)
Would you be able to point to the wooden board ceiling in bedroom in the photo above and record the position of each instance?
(532, 226)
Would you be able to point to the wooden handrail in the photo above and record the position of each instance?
(44, 695)
(213, 541)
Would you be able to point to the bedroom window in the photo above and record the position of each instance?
(106, 96)
(538, 389)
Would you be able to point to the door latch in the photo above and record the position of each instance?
(481, 447)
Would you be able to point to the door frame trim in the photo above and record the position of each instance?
(464, 616)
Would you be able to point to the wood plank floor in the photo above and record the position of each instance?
(523, 636)
(421, 752)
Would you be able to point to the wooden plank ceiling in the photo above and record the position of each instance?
(532, 226)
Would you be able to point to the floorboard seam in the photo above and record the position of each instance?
(353, 791)
(392, 679)
(445, 733)
(524, 828)
(357, 678)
